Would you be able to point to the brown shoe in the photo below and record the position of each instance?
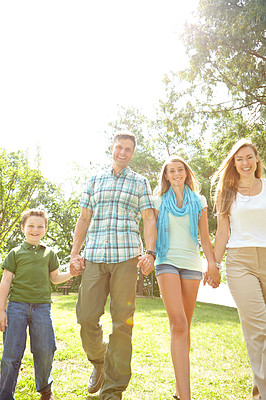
(95, 380)
(47, 395)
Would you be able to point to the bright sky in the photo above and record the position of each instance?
(66, 65)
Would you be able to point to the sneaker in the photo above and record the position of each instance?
(95, 380)
(47, 395)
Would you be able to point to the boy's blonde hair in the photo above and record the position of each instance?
(33, 212)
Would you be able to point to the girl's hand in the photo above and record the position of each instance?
(146, 263)
(212, 276)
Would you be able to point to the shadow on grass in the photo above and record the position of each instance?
(213, 313)
(204, 312)
(67, 302)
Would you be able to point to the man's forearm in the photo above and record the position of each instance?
(79, 235)
(150, 233)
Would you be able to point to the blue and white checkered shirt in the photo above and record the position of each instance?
(116, 202)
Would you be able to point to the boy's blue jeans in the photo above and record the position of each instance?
(42, 343)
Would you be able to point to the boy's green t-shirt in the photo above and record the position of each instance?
(31, 266)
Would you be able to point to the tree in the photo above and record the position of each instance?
(18, 182)
(143, 162)
(175, 127)
(231, 129)
(63, 212)
(226, 47)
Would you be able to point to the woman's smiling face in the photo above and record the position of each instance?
(246, 161)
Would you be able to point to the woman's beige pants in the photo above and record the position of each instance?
(246, 277)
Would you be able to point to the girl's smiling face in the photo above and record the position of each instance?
(176, 173)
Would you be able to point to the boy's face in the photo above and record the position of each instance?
(34, 229)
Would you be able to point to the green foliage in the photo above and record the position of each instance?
(174, 126)
(226, 45)
(18, 183)
(143, 162)
(229, 131)
(63, 212)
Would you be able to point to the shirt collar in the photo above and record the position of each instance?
(124, 172)
(29, 246)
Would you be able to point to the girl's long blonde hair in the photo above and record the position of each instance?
(164, 185)
(227, 178)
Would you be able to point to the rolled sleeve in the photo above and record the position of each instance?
(145, 197)
(85, 200)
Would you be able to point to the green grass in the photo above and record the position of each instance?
(219, 362)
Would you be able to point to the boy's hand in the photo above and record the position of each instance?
(77, 265)
(3, 321)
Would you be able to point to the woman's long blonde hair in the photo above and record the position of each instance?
(227, 178)
(163, 183)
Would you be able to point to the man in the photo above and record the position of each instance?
(112, 206)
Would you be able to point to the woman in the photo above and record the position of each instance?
(240, 201)
(180, 214)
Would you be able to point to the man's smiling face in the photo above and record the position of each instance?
(122, 152)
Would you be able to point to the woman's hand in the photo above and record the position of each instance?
(212, 276)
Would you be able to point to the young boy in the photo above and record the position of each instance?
(28, 270)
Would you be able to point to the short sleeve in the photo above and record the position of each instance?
(53, 261)
(10, 262)
(157, 202)
(203, 200)
(145, 196)
(85, 200)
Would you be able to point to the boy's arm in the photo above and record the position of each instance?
(4, 290)
(59, 277)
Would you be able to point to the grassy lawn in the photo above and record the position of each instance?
(219, 362)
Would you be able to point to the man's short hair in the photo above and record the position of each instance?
(125, 135)
(33, 212)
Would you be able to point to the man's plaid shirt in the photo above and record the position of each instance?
(116, 202)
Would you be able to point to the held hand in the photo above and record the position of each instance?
(212, 276)
(214, 273)
(146, 263)
(209, 280)
(3, 321)
(77, 265)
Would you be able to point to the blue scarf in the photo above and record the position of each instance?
(191, 205)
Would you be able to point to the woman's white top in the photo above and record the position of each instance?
(248, 220)
(183, 251)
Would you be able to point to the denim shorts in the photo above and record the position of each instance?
(182, 272)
